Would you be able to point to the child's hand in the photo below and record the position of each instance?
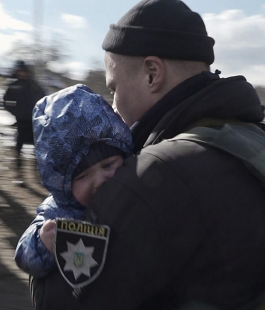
(47, 234)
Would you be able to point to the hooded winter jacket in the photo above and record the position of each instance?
(66, 125)
(186, 217)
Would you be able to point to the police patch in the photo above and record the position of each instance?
(80, 250)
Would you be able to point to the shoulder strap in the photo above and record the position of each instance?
(243, 140)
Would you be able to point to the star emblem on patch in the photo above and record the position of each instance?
(79, 259)
(80, 250)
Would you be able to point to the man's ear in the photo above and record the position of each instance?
(155, 72)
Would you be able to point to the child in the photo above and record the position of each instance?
(79, 143)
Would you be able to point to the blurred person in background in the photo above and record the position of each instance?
(19, 99)
(187, 213)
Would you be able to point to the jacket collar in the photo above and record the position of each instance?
(204, 95)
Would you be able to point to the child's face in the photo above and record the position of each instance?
(86, 183)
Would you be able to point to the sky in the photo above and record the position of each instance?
(79, 27)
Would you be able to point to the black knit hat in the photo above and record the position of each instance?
(98, 152)
(163, 28)
(20, 65)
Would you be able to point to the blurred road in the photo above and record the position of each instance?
(20, 193)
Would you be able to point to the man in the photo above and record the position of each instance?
(187, 213)
(19, 99)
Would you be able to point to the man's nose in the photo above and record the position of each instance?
(116, 110)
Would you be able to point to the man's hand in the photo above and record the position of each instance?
(47, 234)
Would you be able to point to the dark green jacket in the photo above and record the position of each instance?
(187, 220)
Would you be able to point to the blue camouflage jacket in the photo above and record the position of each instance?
(65, 126)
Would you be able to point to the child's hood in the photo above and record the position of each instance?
(65, 125)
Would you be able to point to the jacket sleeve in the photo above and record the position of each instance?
(10, 99)
(156, 228)
(31, 255)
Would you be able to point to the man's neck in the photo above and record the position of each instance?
(142, 128)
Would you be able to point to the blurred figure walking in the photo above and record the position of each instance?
(19, 99)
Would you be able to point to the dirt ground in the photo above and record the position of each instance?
(20, 193)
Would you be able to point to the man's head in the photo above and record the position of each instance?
(21, 70)
(158, 44)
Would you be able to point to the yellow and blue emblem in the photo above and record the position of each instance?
(80, 250)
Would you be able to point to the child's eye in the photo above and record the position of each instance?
(109, 164)
(80, 177)
(106, 166)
